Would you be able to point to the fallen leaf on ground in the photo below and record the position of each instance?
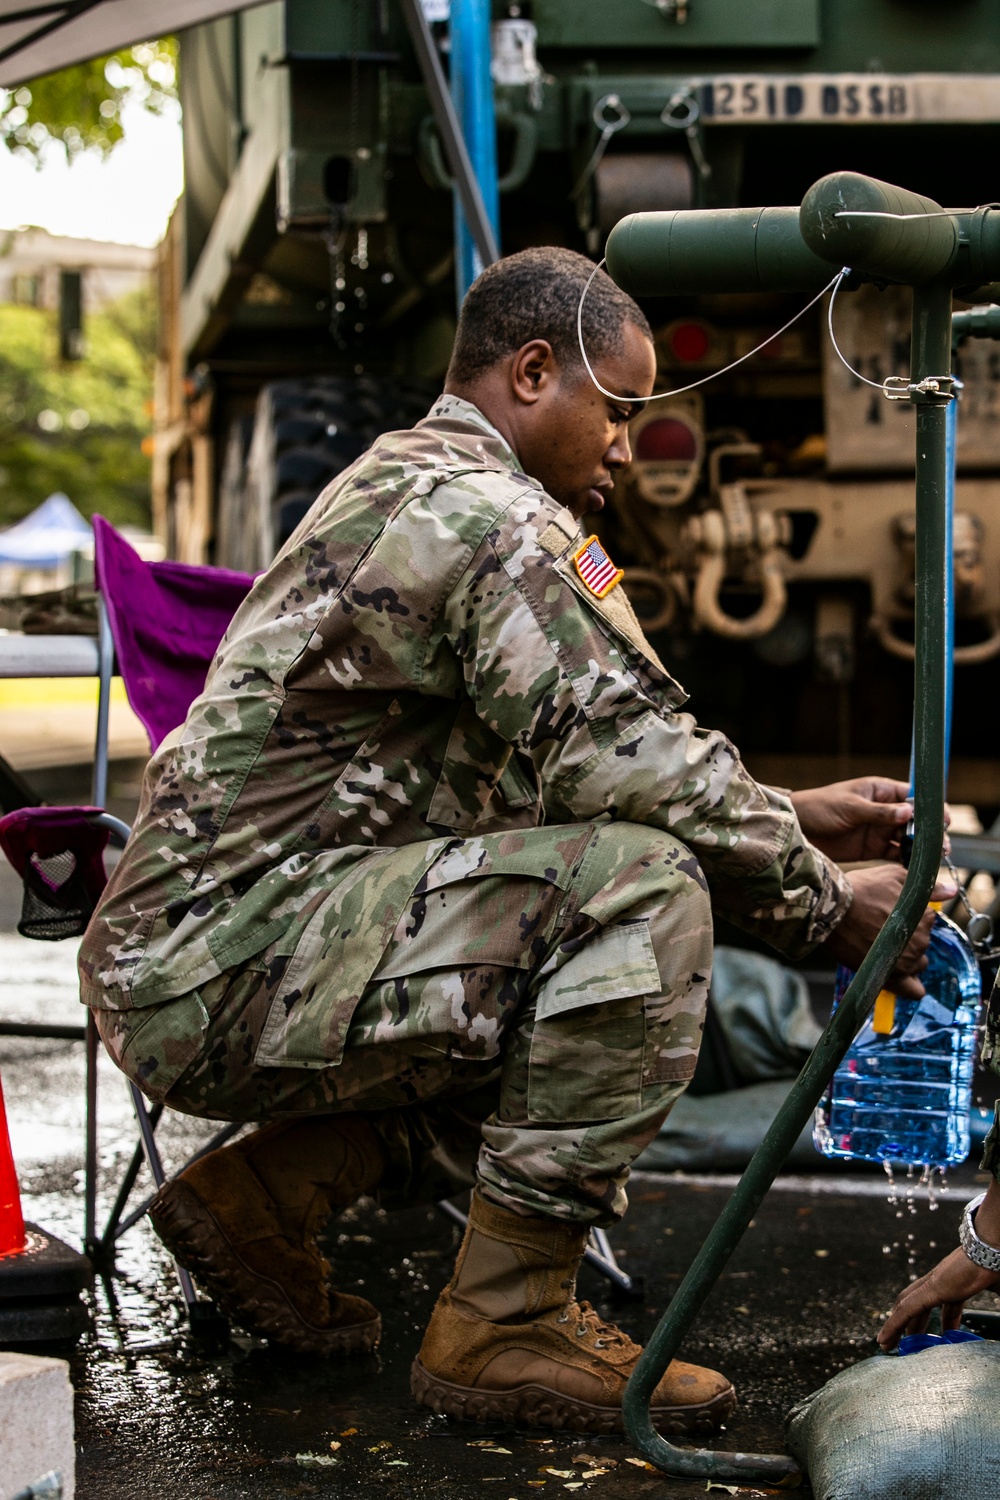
(577, 1486)
(559, 1473)
(349, 1432)
(730, 1489)
(380, 1447)
(594, 1473)
(335, 1445)
(586, 1458)
(316, 1460)
(821, 1253)
(640, 1463)
(397, 1463)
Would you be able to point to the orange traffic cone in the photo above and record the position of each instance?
(12, 1236)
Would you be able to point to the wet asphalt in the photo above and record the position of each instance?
(162, 1417)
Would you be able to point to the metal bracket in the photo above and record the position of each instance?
(933, 390)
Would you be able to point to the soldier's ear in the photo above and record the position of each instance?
(533, 369)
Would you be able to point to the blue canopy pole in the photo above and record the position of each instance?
(472, 93)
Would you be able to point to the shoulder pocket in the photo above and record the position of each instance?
(620, 620)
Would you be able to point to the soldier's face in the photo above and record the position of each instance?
(570, 437)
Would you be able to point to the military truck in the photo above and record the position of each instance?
(308, 300)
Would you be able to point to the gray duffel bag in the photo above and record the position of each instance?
(923, 1427)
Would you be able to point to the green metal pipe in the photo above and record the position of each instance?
(931, 355)
(713, 250)
(977, 322)
(876, 228)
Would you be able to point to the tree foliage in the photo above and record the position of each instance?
(82, 107)
(77, 427)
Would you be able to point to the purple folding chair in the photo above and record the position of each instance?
(162, 622)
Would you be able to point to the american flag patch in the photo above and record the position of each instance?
(595, 568)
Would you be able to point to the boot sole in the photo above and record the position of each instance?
(194, 1238)
(536, 1406)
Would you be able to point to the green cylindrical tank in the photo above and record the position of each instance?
(713, 250)
(874, 227)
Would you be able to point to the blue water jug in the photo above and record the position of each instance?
(904, 1094)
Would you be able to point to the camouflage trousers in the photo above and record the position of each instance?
(535, 1014)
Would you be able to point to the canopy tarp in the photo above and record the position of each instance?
(48, 536)
(40, 36)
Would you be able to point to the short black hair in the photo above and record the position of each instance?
(535, 294)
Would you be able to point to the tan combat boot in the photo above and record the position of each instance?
(244, 1221)
(509, 1342)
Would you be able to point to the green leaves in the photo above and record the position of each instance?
(78, 427)
(82, 106)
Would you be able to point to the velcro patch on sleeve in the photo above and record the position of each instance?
(595, 569)
(554, 540)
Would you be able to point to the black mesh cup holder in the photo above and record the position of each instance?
(59, 854)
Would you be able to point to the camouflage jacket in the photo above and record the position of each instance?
(424, 660)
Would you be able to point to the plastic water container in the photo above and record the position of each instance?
(905, 1095)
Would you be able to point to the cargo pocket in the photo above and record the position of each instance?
(155, 1045)
(316, 996)
(322, 963)
(589, 1035)
(457, 969)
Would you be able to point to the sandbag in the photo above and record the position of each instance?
(764, 1012)
(919, 1428)
(720, 1132)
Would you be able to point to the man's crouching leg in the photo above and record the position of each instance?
(244, 1221)
(606, 1045)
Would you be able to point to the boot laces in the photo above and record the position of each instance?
(591, 1325)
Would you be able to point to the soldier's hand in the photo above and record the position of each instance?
(876, 890)
(950, 1284)
(854, 820)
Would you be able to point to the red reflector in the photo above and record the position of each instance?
(666, 438)
(689, 342)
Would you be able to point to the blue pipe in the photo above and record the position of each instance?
(472, 94)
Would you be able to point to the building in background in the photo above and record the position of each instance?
(34, 266)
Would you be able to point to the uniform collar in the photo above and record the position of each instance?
(451, 415)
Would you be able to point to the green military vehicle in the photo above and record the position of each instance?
(766, 521)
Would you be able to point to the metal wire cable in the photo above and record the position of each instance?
(680, 391)
(875, 384)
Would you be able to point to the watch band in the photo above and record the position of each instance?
(987, 1257)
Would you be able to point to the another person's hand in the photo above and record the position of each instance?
(876, 890)
(855, 820)
(951, 1283)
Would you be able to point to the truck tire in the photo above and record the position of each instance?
(308, 431)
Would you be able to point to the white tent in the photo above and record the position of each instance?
(48, 537)
(39, 36)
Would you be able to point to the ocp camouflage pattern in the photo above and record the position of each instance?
(421, 660)
(358, 863)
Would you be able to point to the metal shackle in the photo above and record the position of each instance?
(876, 228)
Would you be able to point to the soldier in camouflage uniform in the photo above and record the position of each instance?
(426, 879)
